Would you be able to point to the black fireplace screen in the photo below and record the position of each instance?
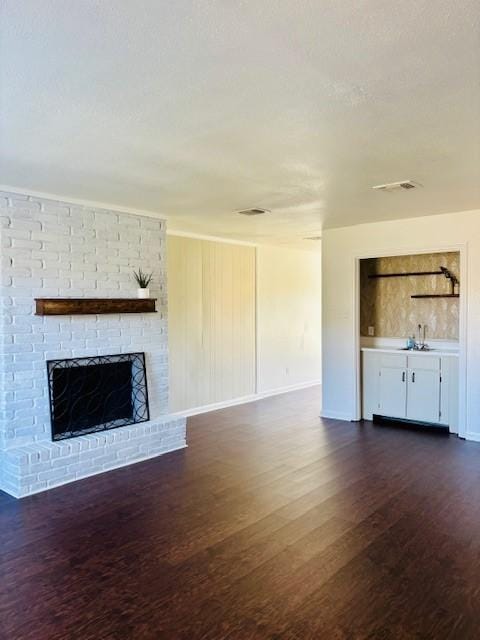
(97, 393)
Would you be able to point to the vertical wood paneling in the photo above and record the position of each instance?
(211, 321)
(185, 318)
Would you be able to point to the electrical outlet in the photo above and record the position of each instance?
(371, 331)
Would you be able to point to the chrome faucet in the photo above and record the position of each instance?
(421, 344)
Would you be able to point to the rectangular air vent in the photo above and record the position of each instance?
(394, 186)
(256, 211)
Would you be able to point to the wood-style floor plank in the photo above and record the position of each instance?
(274, 524)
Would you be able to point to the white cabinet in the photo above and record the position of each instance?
(392, 398)
(449, 393)
(424, 382)
(423, 403)
(417, 387)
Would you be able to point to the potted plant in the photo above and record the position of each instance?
(143, 280)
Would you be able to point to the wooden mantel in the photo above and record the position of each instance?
(82, 306)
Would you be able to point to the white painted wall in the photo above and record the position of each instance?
(342, 247)
(288, 317)
(282, 289)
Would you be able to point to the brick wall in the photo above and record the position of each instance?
(54, 249)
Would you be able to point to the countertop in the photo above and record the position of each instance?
(412, 352)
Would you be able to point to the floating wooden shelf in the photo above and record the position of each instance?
(404, 275)
(436, 295)
(443, 271)
(83, 306)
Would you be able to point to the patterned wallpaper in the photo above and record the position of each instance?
(386, 304)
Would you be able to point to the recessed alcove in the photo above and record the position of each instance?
(397, 293)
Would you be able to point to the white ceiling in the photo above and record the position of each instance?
(196, 108)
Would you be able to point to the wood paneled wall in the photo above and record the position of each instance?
(211, 300)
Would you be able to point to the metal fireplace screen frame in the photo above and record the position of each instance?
(139, 392)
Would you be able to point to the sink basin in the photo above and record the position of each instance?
(416, 350)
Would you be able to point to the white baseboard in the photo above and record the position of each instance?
(473, 436)
(244, 399)
(336, 415)
(293, 387)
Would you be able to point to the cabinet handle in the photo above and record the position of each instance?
(413, 376)
(403, 376)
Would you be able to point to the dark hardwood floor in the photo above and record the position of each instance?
(272, 524)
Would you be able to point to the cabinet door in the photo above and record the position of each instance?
(392, 392)
(449, 393)
(423, 395)
(370, 379)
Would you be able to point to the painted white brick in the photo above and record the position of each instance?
(28, 225)
(52, 474)
(107, 461)
(65, 462)
(40, 466)
(91, 454)
(67, 477)
(18, 243)
(59, 210)
(81, 468)
(17, 234)
(52, 249)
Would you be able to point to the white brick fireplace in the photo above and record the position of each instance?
(54, 249)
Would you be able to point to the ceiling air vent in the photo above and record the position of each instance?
(394, 186)
(256, 211)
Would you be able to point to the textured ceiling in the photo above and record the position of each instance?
(195, 109)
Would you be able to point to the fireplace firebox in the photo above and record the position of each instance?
(97, 393)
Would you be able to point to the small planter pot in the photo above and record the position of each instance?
(143, 293)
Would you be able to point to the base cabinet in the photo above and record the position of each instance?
(423, 388)
(418, 387)
(392, 400)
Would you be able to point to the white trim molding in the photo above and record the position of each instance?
(473, 436)
(187, 413)
(94, 204)
(337, 415)
(202, 236)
